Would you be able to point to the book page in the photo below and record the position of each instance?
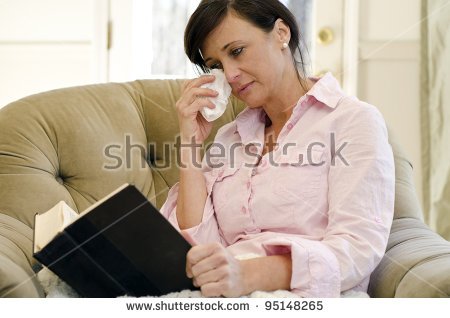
(48, 224)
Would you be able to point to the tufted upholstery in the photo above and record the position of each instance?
(78, 144)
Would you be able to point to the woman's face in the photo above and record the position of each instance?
(253, 61)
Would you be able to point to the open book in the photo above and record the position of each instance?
(121, 245)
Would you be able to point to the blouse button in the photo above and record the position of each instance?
(254, 172)
(244, 210)
(289, 126)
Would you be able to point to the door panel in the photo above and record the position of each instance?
(49, 44)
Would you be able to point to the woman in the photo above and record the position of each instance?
(306, 184)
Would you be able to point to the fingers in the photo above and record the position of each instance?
(189, 96)
(195, 107)
(217, 283)
(199, 81)
(191, 241)
(195, 99)
(213, 289)
(210, 276)
(192, 100)
(199, 94)
(192, 89)
(199, 253)
(189, 270)
(215, 271)
(208, 264)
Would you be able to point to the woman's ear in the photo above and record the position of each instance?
(282, 31)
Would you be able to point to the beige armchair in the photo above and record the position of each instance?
(78, 144)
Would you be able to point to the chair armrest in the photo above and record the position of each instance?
(416, 263)
(17, 279)
(17, 282)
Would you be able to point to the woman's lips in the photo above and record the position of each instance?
(245, 88)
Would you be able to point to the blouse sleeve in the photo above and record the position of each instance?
(208, 230)
(205, 232)
(361, 205)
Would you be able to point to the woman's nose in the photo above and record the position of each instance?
(231, 73)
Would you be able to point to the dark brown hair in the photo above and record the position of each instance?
(261, 13)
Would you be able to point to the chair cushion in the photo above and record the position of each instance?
(75, 144)
(16, 276)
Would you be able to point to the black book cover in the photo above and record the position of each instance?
(123, 246)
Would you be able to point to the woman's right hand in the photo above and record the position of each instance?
(193, 99)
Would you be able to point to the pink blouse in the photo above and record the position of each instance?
(325, 194)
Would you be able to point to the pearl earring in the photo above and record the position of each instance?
(285, 45)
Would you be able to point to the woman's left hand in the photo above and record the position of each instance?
(215, 271)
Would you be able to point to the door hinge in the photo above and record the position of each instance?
(109, 36)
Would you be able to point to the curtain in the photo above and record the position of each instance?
(303, 12)
(435, 111)
(168, 47)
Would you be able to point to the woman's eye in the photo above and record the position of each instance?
(237, 51)
(215, 66)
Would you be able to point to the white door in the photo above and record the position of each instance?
(373, 48)
(49, 44)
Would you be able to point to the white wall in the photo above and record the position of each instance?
(48, 44)
(389, 70)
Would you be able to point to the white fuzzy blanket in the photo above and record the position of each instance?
(54, 287)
